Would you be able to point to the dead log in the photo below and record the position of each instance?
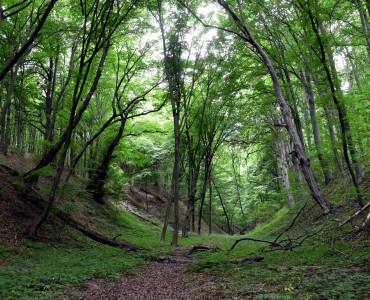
(255, 240)
(37, 200)
(197, 248)
(96, 236)
(246, 259)
(145, 218)
(354, 215)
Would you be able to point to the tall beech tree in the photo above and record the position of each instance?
(244, 33)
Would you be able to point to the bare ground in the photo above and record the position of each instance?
(164, 280)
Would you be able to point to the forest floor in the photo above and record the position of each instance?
(331, 263)
(166, 279)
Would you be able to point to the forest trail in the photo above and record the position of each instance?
(167, 279)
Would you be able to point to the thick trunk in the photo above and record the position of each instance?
(98, 179)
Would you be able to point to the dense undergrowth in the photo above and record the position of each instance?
(331, 264)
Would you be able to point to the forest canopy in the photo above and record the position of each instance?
(235, 108)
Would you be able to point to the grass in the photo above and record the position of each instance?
(317, 270)
(43, 271)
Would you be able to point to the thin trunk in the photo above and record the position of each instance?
(32, 178)
(191, 204)
(203, 195)
(210, 202)
(364, 24)
(175, 114)
(20, 116)
(18, 54)
(237, 185)
(306, 80)
(279, 143)
(229, 230)
(5, 113)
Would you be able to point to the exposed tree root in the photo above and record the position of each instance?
(197, 248)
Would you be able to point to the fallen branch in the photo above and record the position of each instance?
(246, 259)
(197, 248)
(291, 224)
(255, 240)
(354, 215)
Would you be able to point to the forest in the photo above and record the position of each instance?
(149, 144)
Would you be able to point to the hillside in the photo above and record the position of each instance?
(61, 261)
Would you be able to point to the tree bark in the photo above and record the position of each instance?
(4, 125)
(306, 80)
(279, 140)
(98, 179)
(229, 230)
(176, 115)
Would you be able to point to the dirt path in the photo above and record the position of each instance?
(167, 279)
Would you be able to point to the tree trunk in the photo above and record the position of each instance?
(345, 129)
(30, 177)
(364, 24)
(4, 127)
(279, 141)
(297, 145)
(191, 204)
(210, 202)
(229, 229)
(306, 80)
(20, 116)
(176, 115)
(18, 54)
(98, 179)
(237, 185)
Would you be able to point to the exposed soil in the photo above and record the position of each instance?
(164, 280)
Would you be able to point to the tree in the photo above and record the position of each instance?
(245, 34)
